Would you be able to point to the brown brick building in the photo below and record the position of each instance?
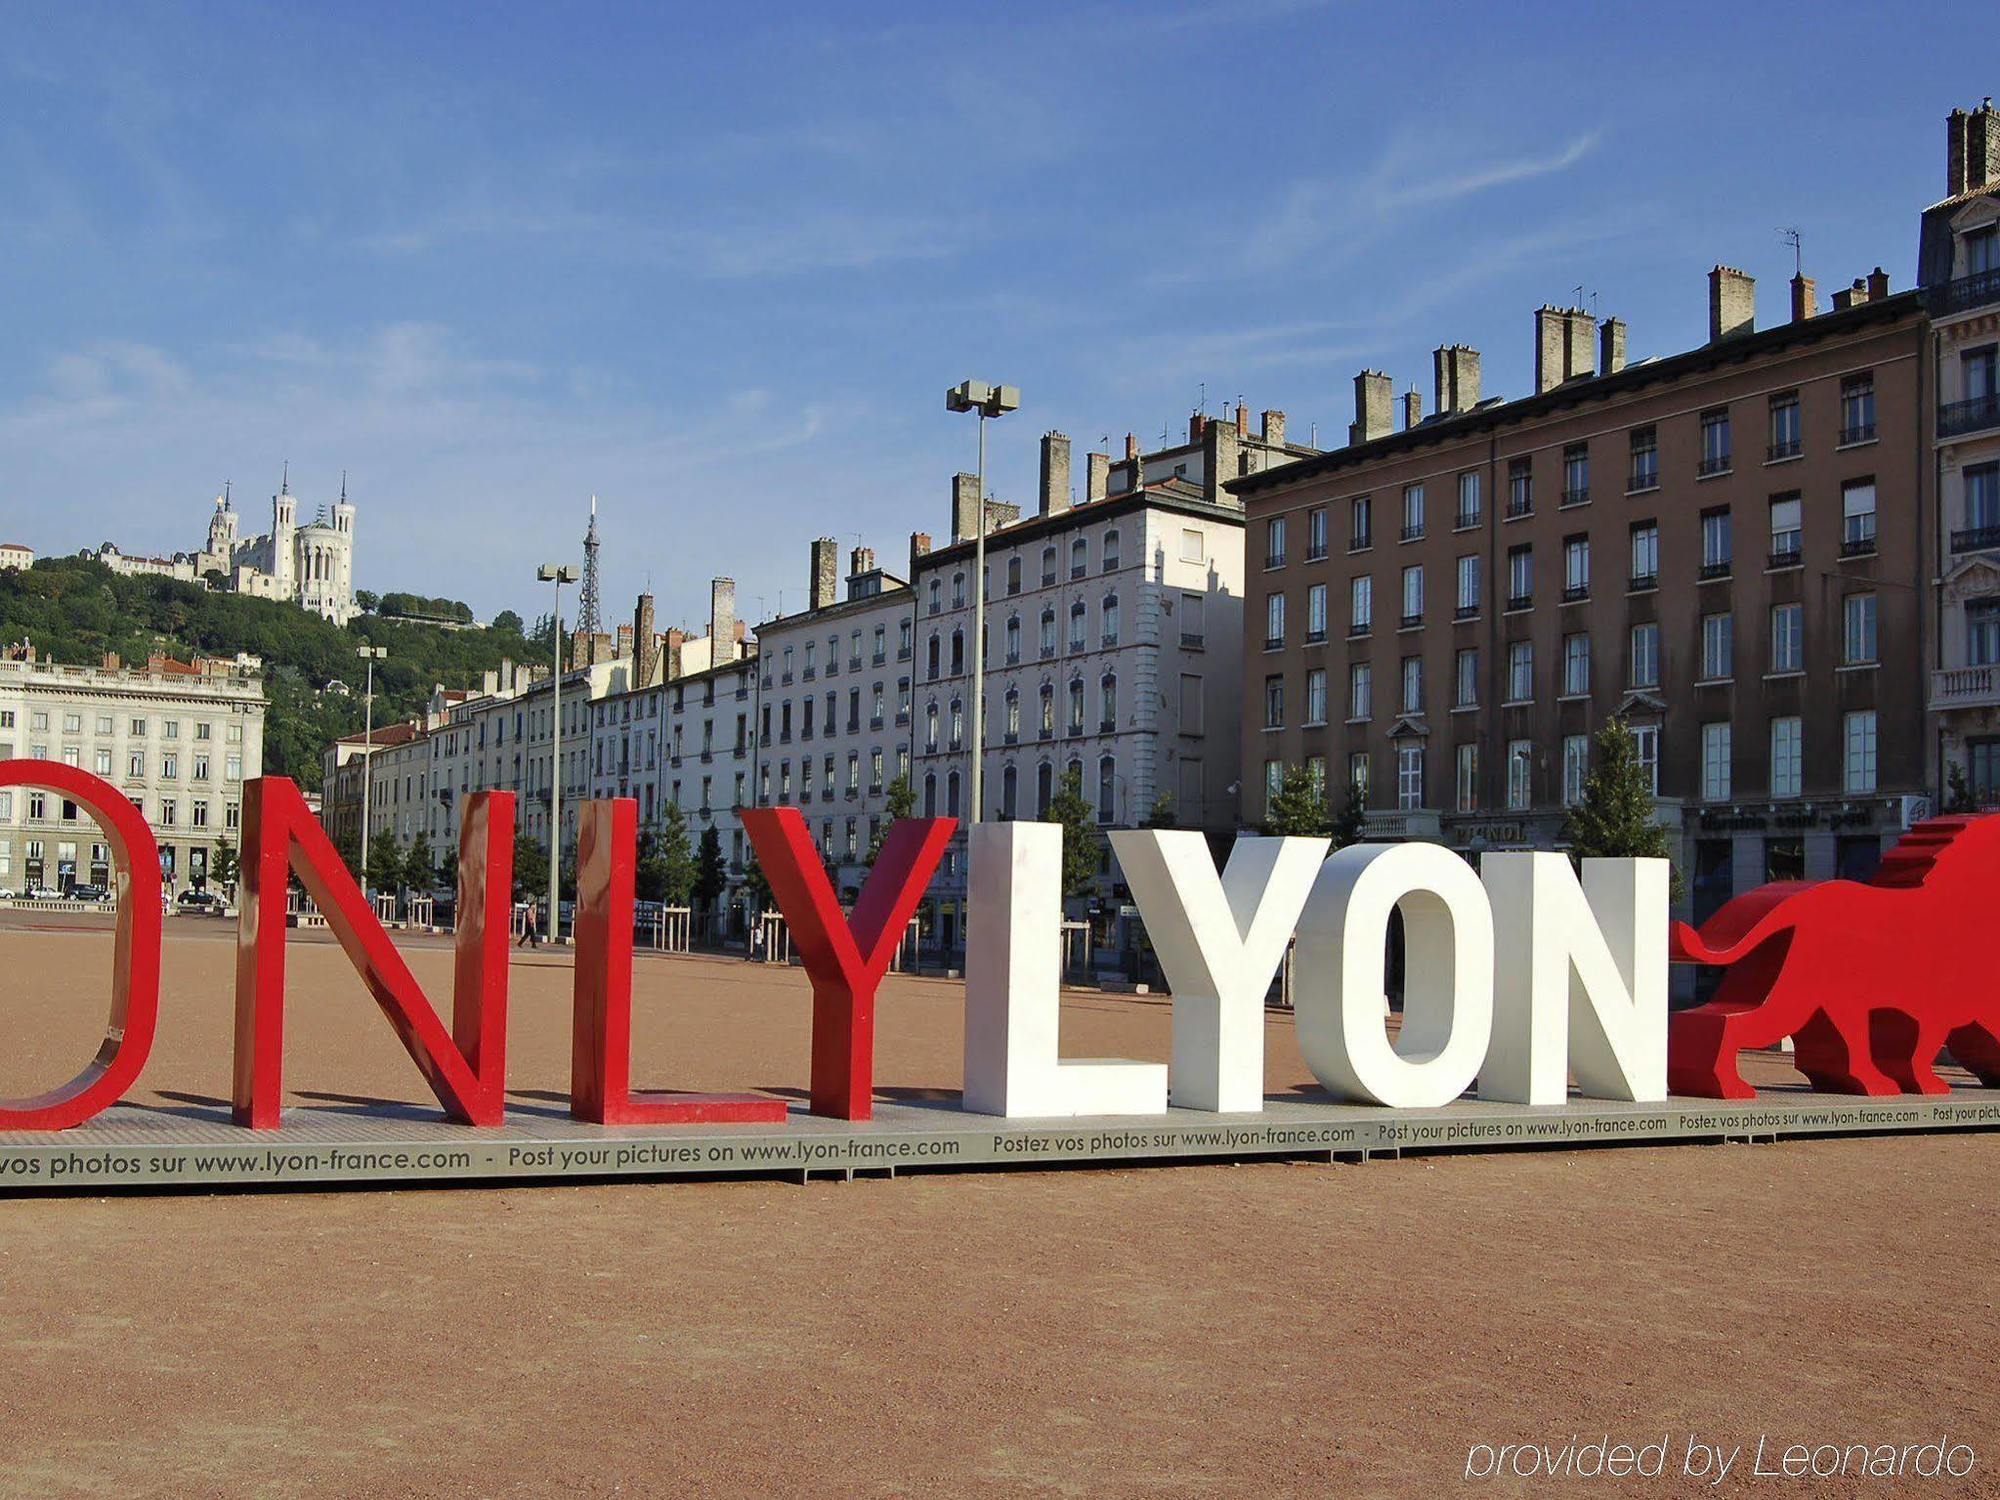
(1725, 546)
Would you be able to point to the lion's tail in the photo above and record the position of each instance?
(1737, 929)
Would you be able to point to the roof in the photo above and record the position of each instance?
(1497, 413)
(1176, 495)
(384, 735)
(891, 587)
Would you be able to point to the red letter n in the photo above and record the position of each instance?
(607, 837)
(465, 1069)
(845, 963)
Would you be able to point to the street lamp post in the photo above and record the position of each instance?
(371, 655)
(987, 401)
(557, 574)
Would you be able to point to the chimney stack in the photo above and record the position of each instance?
(1413, 409)
(1878, 284)
(1956, 126)
(1274, 429)
(861, 562)
(1611, 346)
(1242, 420)
(1579, 344)
(1372, 396)
(1805, 298)
(1732, 303)
(1097, 481)
(676, 638)
(1197, 425)
(1562, 346)
(822, 588)
(1455, 382)
(624, 649)
(1982, 147)
(645, 643)
(920, 547)
(722, 635)
(964, 506)
(1851, 296)
(1055, 473)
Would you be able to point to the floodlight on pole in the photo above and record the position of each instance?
(370, 655)
(988, 401)
(557, 574)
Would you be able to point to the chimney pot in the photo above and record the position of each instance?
(1805, 298)
(1611, 346)
(1242, 420)
(1197, 425)
(822, 587)
(1548, 347)
(1878, 284)
(1055, 473)
(722, 636)
(1455, 371)
(1413, 409)
(1732, 303)
(1131, 447)
(964, 506)
(1274, 429)
(1097, 482)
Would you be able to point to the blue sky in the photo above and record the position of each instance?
(718, 264)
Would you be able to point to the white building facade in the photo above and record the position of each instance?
(179, 739)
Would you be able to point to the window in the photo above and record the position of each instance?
(1049, 565)
(1645, 655)
(1413, 594)
(1787, 638)
(1191, 703)
(1358, 775)
(1079, 557)
(1643, 473)
(1520, 577)
(1012, 727)
(1982, 250)
(1108, 620)
(1048, 709)
(1857, 517)
(1274, 701)
(1076, 705)
(1107, 790)
(1013, 638)
(1576, 474)
(1576, 568)
(1048, 641)
(1715, 543)
(1468, 778)
(1520, 773)
(1013, 574)
(1274, 621)
(1413, 512)
(1718, 641)
(1982, 506)
(1360, 690)
(1409, 777)
(1468, 586)
(1786, 757)
(1857, 408)
(1191, 624)
(1857, 629)
(1646, 747)
(1520, 671)
(1316, 695)
(1520, 487)
(1274, 542)
(1785, 442)
(1465, 678)
(1576, 664)
(1858, 761)
(1360, 524)
(1360, 605)
(1315, 613)
(1468, 498)
(1576, 767)
(1274, 782)
(1714, 442)
(1714, 762)
(1109, 562)
(1979, 374)
(1645, 554)
(1413, 684)
(1785, 535)
(1316, 533)
(1982, 632)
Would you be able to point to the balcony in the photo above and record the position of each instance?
(1860, 432)
(1967, 292)
(1107, 726)
(1642, 481)
(1273, 560)
(1576, 496)
(1465, 520)
(1466, 612)
(1858, 546)
(1413, 823)
(1315, 637)
(1576, 593)
(1108, 639)
(1786, 557)
(1014, 658)
(1783, 449)
(1414, 533)
(1965, 687)
(1956, 418)
(1360, 543)
(1639, 583)
(1316, 552)
(1708, 468)
(1078, 570)
(1520, 602)
(1517, 508)
(1410, 622)
(1192, 640)
(1271, 643)
(1711, 571)
(1975, 539)
(1360, 630)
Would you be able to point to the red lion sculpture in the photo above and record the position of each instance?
(1869, 979)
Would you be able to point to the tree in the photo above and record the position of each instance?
(223, 863)
(1350, 824)
(756, 888)
(1957, 790)
(348, 846)
(900, 802)
(385, 864)
(531, 869)
(1080, 839)
(665, 868)
(1161, 814)
(1615, 820)
(1298, 807)
(711, 876)
(508, 623)
(367, 600)
(420, 864)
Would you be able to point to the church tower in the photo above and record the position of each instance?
(284, 528)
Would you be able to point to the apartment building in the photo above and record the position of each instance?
(178, 738)
(833, 709)
(1959, 268)
(1112, 643)
(1725, 547)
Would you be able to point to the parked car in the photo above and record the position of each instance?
(40, 893)
(200, 900)
(90, 893)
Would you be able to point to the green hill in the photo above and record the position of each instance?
(76, 610)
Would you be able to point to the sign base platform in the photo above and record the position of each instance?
(192, 1147)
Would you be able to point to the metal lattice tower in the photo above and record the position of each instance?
(586, 611)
